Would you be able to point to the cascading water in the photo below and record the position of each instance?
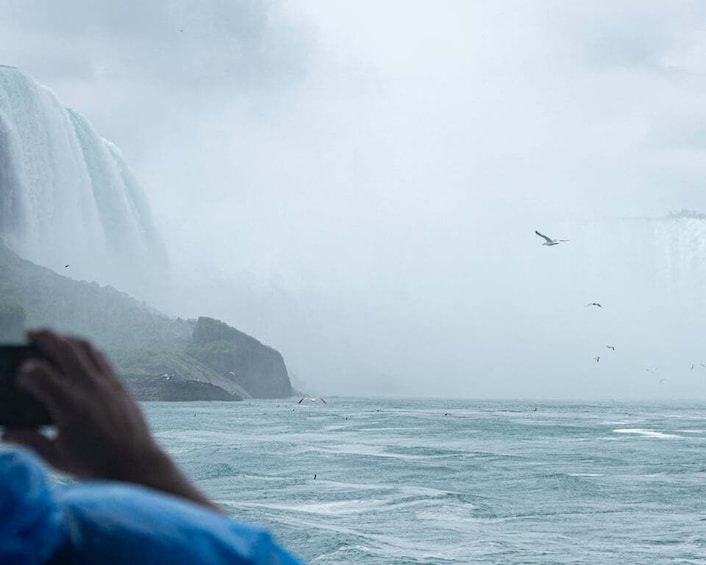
(666, 256)
(67, 196)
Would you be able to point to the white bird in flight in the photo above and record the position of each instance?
(597, 358)
(549, 241)
(596, 304)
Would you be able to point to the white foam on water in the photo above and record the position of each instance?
(620, 422)
(409, 490)
(390, 546)
(369, 451)
(336, 508)
(340, 507)
(645, 433)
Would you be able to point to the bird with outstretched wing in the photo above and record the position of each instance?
(549, 241)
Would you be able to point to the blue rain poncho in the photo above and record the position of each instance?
(115, 523)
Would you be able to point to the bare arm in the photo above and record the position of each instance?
(102, 433)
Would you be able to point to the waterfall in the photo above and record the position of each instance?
(666, 255)
(66, 195)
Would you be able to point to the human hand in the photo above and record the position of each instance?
(101, 432)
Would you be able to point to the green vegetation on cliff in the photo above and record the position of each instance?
(141, 341)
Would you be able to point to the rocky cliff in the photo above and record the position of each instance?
(142, 342)
(255, 367)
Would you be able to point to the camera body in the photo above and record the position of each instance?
(19, 409)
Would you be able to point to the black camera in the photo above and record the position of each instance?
(17, 408)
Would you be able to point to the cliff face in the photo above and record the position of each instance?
(241, 358)
(141, 341)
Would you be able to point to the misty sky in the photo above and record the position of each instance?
(357, 183)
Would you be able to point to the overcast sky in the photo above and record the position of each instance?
(356, 183)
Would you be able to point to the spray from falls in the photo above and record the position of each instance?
(66, 195)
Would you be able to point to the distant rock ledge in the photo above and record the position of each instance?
(174, 389)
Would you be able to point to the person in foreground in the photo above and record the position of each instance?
(133, 505)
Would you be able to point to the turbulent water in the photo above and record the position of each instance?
(433, 481)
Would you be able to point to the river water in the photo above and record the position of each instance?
(441, 481)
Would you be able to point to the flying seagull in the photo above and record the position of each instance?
(692, 367)
(549, 241)
(597, 358)
(596, 304)
(312, 399)
(651, 371)
(66, 266)
(611, 347)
